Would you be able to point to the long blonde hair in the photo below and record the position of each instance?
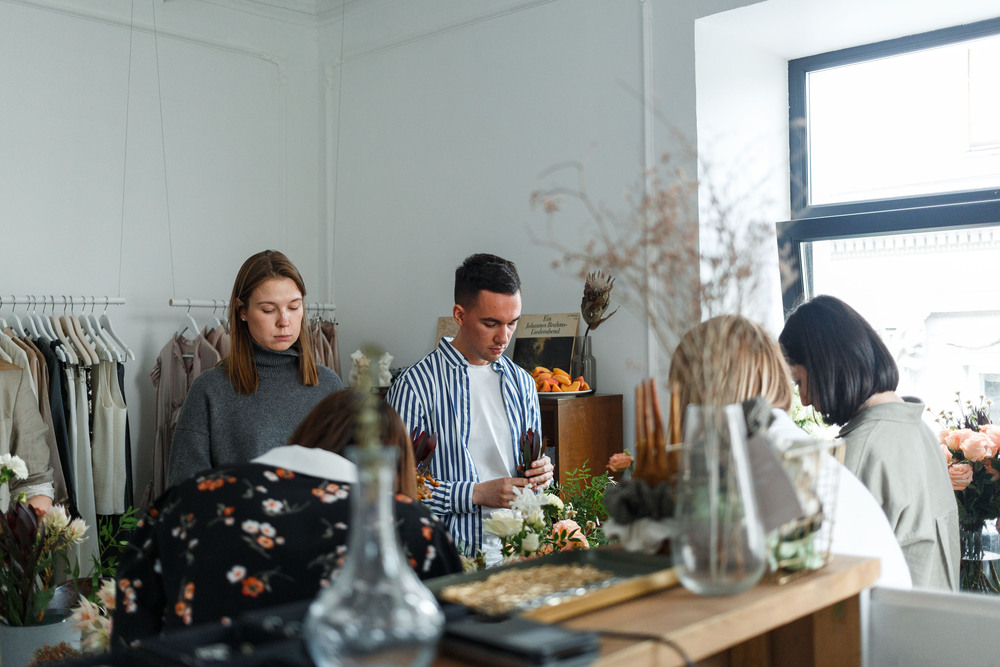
(240, 365)
(729, 359)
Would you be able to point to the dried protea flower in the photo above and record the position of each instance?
(596, 299)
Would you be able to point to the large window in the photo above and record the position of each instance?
(895, 184)
(896, 124)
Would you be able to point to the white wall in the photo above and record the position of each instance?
(238, 143)
(377, 161)
(442, 124)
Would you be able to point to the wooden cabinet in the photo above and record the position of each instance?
(581, 430)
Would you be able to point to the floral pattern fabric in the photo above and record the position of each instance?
(249, 537)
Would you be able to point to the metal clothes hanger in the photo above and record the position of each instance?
(188, 323)
(105, 322)
(18, 326)
(65, 351)
(91, 328)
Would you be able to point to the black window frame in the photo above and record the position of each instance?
(924, 213)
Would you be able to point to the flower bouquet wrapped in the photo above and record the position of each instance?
(970, 444)
(536, 524)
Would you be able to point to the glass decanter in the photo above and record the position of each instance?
(375, 611)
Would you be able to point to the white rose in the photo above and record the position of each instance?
(15, 464)
(555, 501)
(535, 518)
(503, 523)
(530, 543)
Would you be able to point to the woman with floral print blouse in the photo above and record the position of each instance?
(265, 533)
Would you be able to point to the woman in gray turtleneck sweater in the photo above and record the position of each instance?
(253, 400)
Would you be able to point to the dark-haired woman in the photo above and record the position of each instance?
(265, 533)
(847, 374)
(270, 381)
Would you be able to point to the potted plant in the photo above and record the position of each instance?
(34, 555)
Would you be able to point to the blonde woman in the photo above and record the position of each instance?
(730, 359)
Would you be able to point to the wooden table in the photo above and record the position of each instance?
(813, 620)
(582, 430)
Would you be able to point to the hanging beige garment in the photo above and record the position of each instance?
(179, 363)
(34, 367)
(218, 337)
(321, 346)
(22, 433)
(330, 332)
(108, 442)
(18, 357)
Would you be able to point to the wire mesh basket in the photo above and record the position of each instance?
(803, 545)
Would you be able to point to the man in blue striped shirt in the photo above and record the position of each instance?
(478, 402)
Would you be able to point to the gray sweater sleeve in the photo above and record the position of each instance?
(190, 450)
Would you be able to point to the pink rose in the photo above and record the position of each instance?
(954, 438)
(569, 531)
(619, 462)
(947, 453)
(961, 475)
(977, 446)
(988, 467)
(992, 432)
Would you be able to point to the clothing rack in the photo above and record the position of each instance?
(224, 303)
(62, 300)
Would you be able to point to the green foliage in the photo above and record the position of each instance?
(585, 493)
(113, 534)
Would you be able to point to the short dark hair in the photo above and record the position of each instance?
(845, 358)
(483, 271)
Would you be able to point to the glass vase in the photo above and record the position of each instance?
(583, 362)
(375, 610)
(978, 568)
(719, 547)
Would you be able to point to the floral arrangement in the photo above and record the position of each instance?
(584, 493)
(30, 547)
(970, 443)
(92, 617)
(536, 524)
(971, 447)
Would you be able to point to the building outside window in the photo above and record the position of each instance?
(895, 184)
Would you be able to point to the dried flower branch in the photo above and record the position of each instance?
(676, 264)
(596, 299)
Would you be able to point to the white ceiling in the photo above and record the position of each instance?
(796, 28)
